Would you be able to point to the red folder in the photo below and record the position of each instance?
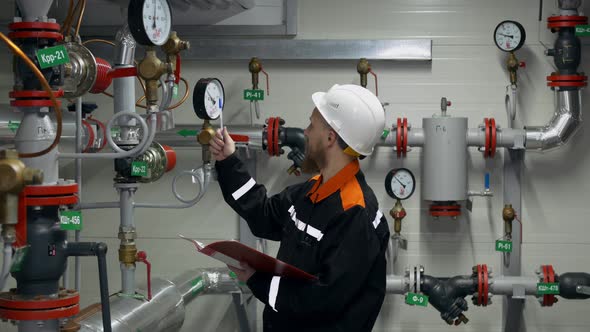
(234, 252)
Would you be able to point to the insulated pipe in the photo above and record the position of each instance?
(175, 139)
(166, 310)
(6, 263)
(564, 124)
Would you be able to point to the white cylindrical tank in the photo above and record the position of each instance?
(445, 159)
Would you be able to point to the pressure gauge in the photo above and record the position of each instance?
(150, 21)
(400, 183)
(208, 98)
(509, 36)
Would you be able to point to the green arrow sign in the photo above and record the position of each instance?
(582, 30)
(13, 126)
(52, 56)
(186, 132)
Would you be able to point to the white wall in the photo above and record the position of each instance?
(466, 68)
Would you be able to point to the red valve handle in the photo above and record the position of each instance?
(142, 258)
(267, 81)
(376, 86)
(522, 64)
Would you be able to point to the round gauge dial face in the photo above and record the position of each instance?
(157, 21)
(208, 98)
(214, 99)
(400, 183)
(509, 36)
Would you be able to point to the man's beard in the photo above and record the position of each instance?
(309, 165)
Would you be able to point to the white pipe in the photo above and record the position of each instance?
(77, 234)
(396, 285)
(6, 263)
(505, 285)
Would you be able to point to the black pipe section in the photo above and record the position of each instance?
(295, 140)
(447, 295)
(100, 251)
(45, 259)
(568, 283)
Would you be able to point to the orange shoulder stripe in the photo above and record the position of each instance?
(351, 194)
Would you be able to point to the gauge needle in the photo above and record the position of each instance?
(509, 36)
(403, 185)
(154, 25)
(210, 97)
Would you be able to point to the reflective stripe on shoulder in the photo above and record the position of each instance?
(312, 231)
(377, 219)
(273, 292)
(243, 189)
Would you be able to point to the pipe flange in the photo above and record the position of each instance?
(548, 276)
(567, 80)
(445, 209)
(13, 306)
(556, 22)
(82, 70)
(491, 133)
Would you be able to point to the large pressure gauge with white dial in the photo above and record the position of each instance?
(208, 98)
(150, 21)
(509, 36)
(400, 183)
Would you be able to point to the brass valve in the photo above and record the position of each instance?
(14, 176)
(254, 67)
(128, 254)
(205, 136)
(150, 69)
(398, 213)
(363, 68)
(174, 45)
(512, 64)
(508, 215)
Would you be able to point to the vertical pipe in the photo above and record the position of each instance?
(127, 226)
(78, 266)
(513, 308)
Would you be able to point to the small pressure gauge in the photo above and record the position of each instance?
(208, 98)
(509, 36)
(150, 21)
(400, 183)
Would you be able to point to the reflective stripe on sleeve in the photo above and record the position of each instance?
(377, 219)
(243, 189)
(273, 292)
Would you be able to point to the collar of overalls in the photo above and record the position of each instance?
(320, 191)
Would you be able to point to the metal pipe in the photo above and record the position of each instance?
(396, 285)
(166, 310)
(127, 226)
(78, 266)
(563, 125)
(6, 263)
(505, 285)
(505, 137)
(178, 138)
(125, 47)
(10, 122)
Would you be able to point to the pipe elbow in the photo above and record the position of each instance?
(293, 138)
(564, 124)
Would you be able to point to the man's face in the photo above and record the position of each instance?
(316, 135)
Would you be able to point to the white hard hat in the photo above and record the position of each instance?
(355, 113)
